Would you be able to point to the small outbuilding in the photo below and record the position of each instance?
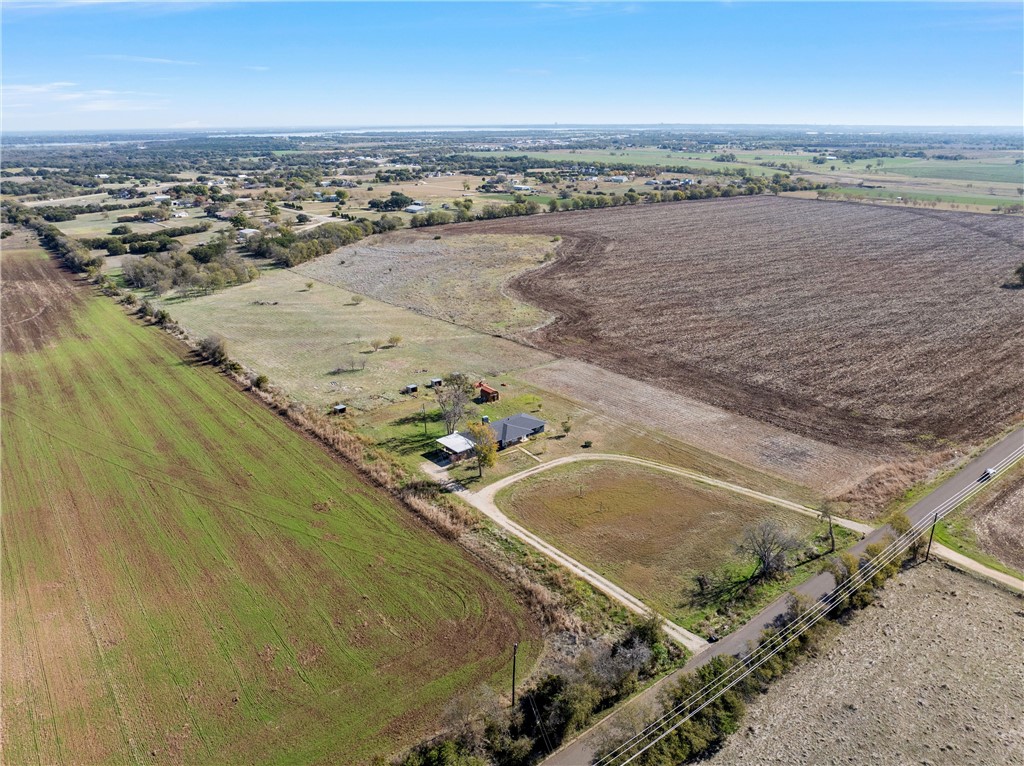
(412, 388)
(339, 409)
(487, 394)
(457, 446)
(435, 383)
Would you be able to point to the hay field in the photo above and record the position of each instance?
(187, 580)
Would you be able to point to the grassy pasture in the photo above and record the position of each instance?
(308, 334)
(645, 156)
(963, 170)
(186, 580)
(892, 195)
(100, 224)
(649, 531)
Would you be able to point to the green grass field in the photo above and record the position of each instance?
(962, 170)
(643, 156)
(652, 532)
(894, 194)
(187, 580)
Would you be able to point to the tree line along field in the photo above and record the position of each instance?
(865, 327)
(187, 580)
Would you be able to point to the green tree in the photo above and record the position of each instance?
(486, 448)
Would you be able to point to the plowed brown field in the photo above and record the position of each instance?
(862, 326)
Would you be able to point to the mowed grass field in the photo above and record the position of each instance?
(187, 580)
(649, 531)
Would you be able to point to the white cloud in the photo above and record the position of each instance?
(143, 59)
(59, 95)
(46, 87)
(256, 68)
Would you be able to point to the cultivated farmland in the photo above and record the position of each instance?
(933, 677)
(859, 326)
(187, 580)
(649, 531)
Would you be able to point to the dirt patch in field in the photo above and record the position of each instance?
(930, 674)
(864, 326)
(37, 302)
(828, 468)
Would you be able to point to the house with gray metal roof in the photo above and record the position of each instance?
(515, 429)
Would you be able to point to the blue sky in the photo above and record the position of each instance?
(74, 65)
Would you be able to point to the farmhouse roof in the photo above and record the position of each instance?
(515, 427)
(456, 443)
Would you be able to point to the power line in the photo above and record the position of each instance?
(792, 631)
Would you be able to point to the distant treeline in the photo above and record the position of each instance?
(74, 255)
(116, 244)
(57, 213)
(202, 269)
(287, 248)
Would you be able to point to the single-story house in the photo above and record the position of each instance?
(515, 429)
(244, 234)
(457, 446)
(415, 209)
(521, 188)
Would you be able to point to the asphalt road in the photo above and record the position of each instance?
(1003, 453)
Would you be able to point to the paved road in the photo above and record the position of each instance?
(1005, 452)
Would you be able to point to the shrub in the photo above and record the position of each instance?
(214, 349)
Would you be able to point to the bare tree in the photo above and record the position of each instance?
(826, 511)
(453, 397)
(767, 543)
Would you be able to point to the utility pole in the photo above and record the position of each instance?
(423, 408)
(515, 652)
(929, 551)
